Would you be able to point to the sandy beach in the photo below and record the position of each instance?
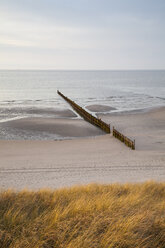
(99, 108)
(101, 158)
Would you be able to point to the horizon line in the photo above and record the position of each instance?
(28, 69)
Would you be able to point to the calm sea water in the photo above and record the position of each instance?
(21, 91)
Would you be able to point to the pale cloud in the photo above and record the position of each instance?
(81, 35)
(41, 34)
(7, 41)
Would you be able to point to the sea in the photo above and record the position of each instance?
(31, 93)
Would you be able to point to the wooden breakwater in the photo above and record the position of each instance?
(87, 116)
(128, 142)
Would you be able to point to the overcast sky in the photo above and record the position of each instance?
(82, 34)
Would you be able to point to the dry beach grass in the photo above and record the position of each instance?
(103, 216)
(92, 216)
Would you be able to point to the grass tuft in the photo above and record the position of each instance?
(92, 216)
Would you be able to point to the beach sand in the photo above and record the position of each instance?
(62, 127)
(147, 127)
(102, 159)
(99, 108)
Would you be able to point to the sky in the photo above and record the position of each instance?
(82, 34)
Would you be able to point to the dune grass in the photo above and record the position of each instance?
(92, 216)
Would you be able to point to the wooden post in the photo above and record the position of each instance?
(87, 116)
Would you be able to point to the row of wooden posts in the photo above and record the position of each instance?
(128, 142)
(98, 122)
(87, 116)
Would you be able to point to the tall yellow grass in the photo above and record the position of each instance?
(92, 216)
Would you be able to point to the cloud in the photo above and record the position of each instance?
(82, 34)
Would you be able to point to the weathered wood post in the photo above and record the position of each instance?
(87, 116)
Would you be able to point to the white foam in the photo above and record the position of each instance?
(12, 118)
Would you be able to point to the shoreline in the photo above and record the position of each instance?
(67, 112)
(63, 125)
(36, 164)
(134, 111)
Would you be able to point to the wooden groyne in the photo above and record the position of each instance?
(87, 116)
(98, 122)
(128, 142)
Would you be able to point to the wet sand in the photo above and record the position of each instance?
(39, 111)
(99, 108)
(101, 159)
(62, 127)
